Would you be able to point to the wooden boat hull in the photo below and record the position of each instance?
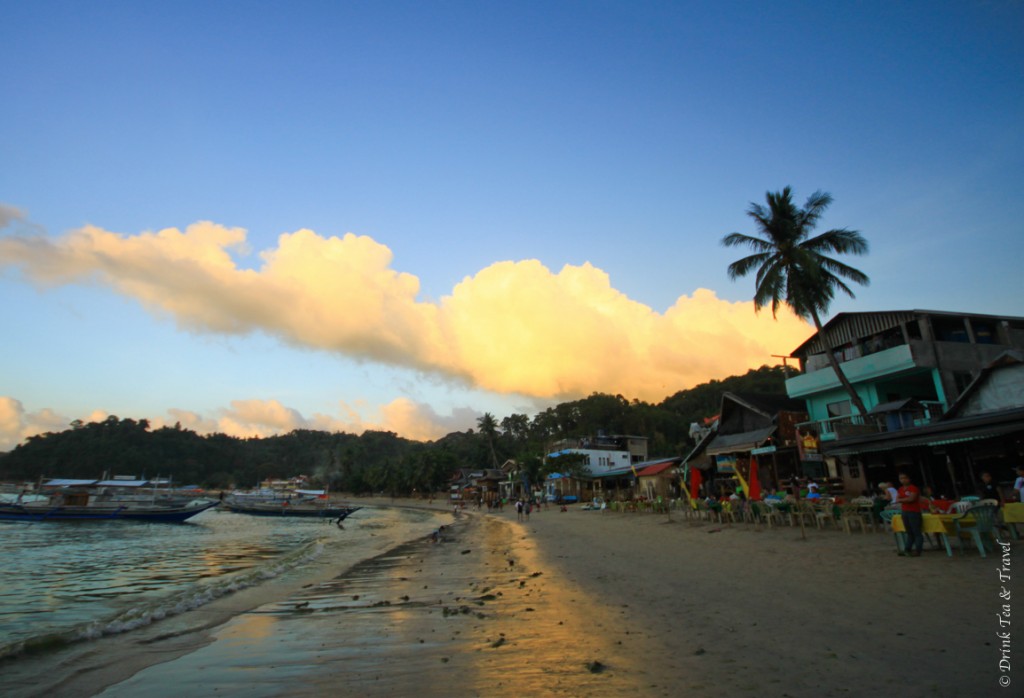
(113, 511)
(276, 509)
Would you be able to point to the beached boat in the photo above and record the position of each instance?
(87, 500)
(299, 503)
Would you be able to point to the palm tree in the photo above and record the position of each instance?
(793, 268)
(489, 428)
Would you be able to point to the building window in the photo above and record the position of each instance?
(914, 330)
(950, 330)
(984, 332)
(839, 409)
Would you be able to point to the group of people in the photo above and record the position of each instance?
(523, 509)
(913, 504)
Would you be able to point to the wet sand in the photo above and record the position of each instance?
(589, 603)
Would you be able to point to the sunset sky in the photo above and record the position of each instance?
(252, 217)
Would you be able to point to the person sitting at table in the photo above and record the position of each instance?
(909, 499)
(812, 490)
(889, 491)
(1018, 485)
(989, 489)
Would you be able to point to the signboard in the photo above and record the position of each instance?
(726, 463)
(761, 451)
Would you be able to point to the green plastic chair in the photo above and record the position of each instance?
(984, 516)
(886, 515)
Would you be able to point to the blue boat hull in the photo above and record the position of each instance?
(16, 512)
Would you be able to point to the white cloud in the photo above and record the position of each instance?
(16, 424)
(514, 327)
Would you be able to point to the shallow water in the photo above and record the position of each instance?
(71, 581)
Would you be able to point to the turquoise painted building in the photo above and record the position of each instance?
(907, 366)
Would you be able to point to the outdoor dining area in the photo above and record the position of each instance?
(972, 523)
(978, 522)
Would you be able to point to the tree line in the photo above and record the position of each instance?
(374, 461)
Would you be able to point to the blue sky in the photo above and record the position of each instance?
(535, 193)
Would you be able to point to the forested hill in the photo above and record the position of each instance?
(373, 461)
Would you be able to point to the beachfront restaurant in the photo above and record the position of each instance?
(752, 430)
(982, 431)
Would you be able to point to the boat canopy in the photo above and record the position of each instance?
(96, 483)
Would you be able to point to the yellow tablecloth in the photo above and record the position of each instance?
(932, 523)
(1013, 513)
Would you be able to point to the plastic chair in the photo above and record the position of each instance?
(983, 527)
(825, 513)
(852, 515)
(962, 506)
(887, 516)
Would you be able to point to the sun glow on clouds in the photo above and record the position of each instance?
(513, 327)
(256, 418)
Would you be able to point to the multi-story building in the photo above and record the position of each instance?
(908, 367)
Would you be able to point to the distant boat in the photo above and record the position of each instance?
(94, 500)
(307, 503)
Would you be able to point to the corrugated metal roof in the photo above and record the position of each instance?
(923, 436)
(849, 327)
(735, 443)
(655, 469)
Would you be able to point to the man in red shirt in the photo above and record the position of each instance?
(909, 499)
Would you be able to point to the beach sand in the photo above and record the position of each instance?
(579, 603)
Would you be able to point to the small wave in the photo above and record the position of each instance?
(173, 605)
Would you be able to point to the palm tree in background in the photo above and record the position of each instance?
(489, 428)
(794, 268)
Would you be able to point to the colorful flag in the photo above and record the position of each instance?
(754, 491)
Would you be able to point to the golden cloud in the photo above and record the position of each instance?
(514, 327)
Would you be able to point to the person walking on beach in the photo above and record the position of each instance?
(909, 499)
(519, 509)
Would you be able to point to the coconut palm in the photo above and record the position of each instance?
(489, 429)
(794, 268)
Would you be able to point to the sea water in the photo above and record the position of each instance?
(65, 582)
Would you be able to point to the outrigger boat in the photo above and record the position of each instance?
(91, 500)
(308, 503)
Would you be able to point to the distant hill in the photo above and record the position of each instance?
(374, 461)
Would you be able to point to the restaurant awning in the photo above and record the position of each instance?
(939, 434)
(738, 443)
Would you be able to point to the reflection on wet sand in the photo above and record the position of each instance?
(472, 615)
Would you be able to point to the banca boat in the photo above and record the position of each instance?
(92, 500)
(308, 503)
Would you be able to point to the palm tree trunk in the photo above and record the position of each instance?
(854, 397)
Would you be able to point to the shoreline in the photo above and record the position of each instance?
(594, 603)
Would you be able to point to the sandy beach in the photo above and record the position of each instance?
(579, 603)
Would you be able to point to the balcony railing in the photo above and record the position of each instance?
(857, 425)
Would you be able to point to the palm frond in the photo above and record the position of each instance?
(840, 241)
(742, 267)
(838, 268)
(737, 239)
(814, 208)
